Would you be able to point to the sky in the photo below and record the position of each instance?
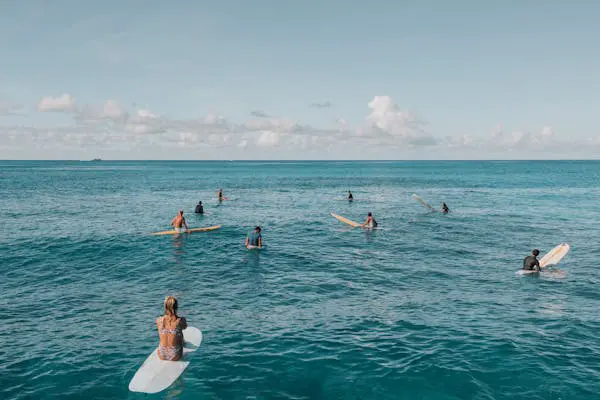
(283, 79)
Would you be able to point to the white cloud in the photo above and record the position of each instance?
(214, 119)
(112, 110)
(390, 125)
(63, 103)
(386, 117)
(144, 121)
(271, 124)
(547, 132)
(95, 114)
(268, 139)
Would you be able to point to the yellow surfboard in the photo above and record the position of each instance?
(174, 232)
(345, 220)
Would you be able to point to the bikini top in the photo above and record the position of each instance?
(167, 331)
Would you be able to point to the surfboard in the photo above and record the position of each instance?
(251, 247)
(420, 200)
(345, 220)
(156, 375)
(553, 257)
(174, 232)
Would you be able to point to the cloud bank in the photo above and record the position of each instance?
(386, 131)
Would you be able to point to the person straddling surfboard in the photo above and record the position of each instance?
(220, 195)
(199, 208)
(170, 332)
(370, 222)
(179, 222)
(350, 197)
(445, 209)
(254, 238)
(531, 263)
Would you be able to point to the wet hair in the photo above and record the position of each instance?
(257, 228)
(199, 202)
(181, 212)
(535, 252)
(171, 306)
(369, 215)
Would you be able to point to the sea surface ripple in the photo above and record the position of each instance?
(427, 308)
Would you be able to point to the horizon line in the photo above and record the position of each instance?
(301, 160)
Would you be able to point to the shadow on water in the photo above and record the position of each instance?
(179, 242)
(252, 258)
(370, 234)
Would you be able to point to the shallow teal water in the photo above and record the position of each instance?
(429, 307)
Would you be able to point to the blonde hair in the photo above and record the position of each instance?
(171, 306)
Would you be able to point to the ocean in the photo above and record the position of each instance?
(428, 307)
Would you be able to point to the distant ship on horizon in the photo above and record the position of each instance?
(97, 159)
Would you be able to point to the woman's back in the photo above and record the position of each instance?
(171, 336)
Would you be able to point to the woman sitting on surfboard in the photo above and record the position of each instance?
(170, 328)
(531, 263)
(370, 222)
(179, 221)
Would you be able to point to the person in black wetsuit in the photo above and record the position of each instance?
(531, 263)
(199, 208)
(445, 208)
(350, 197)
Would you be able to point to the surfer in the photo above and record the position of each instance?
(170, 327)
(445, 208)
(179, 222)
(199, 208)
(254, 238)
(370, 222)
(531, 263)
(220, 194)
(350, 197)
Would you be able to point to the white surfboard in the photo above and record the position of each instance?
(420, 200)
(156, 375)
(553, 257)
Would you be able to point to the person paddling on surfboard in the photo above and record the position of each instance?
(179, 222)
(370, 222)
(199, 208)
(170, 332)
(531, 263)
(445, 209)
(350, 197)
(254, 238)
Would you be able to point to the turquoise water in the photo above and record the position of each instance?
(427, 308)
